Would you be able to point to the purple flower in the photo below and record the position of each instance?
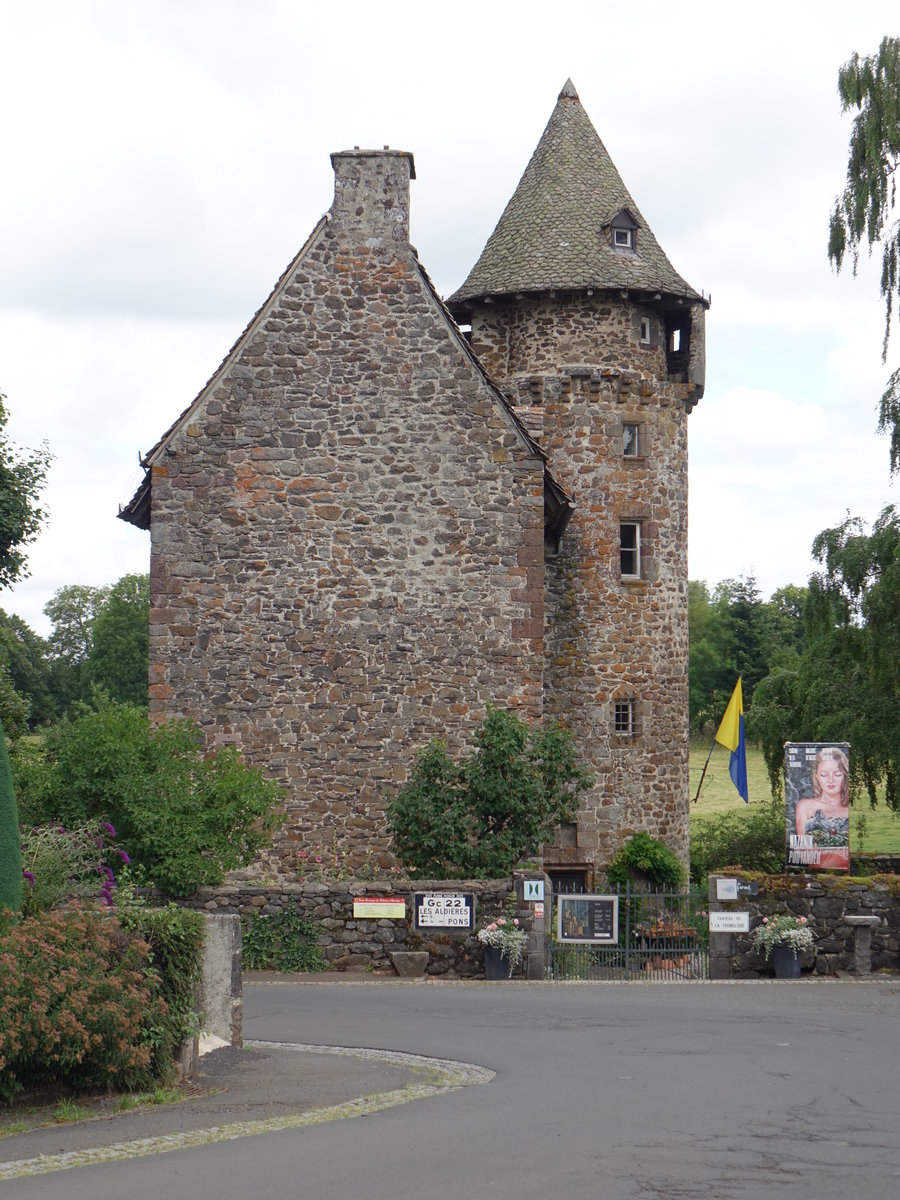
(98, 842)
(29, 875)
(124, 857)
(107, 871)
(109, 829)
(107, 900)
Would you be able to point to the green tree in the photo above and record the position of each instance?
(118, 658)
(477, 819)
(10, 851)
(185, 817)
(846, 686)
(865, 211)
(23, 657)
(22, 478)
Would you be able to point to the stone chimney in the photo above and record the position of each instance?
(371, 192)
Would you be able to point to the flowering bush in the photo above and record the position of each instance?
(506, 936)
(782, 930)
(59, 865)
(78, 1004)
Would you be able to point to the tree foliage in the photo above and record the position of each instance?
(865, 212)
(118, 658)
(22, 478)
(846, 686)
(478, 818)
(185, 817)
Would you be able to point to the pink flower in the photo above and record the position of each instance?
(303, 854)
(765, 920)
(803, 920)
(500, 921)
(318, 858)
(516, 921)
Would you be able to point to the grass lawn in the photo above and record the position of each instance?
(718, 795)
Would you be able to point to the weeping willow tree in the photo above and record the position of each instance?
(866, 213)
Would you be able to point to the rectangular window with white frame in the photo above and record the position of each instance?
(625, 719)
(631, 439)
(630, 549)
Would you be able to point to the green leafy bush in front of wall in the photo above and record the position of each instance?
(644, 857)
(751, 837)
(281, 941)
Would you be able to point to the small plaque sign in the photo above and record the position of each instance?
(539, 909)
(379, 907)
(748, 888)
(444, 910)
(591, 919)
(726, 889)
(729, 922)
(534, 889)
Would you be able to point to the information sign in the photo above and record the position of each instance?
(379, 907)
(444, 910)
(534, 889)
(591, 919)
(729, 922)
(726, 889)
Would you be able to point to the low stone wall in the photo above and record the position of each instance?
(348, 943)
(825, 900)
(875, 864)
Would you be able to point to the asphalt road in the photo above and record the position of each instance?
(614, 1091)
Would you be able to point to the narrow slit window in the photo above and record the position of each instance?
(631, 440)
(645, 331)
(630, 549)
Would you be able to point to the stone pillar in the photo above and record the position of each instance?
(221, 996)
(536, 948)
(862, 927)
(721, 945)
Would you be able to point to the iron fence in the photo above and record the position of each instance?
(662, 935)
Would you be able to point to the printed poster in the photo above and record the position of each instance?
(817, 805)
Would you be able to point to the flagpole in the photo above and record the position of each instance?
(703, 772)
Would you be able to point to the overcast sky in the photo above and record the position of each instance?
(163, 160)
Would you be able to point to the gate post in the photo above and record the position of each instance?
(536, 947)
(721, 945)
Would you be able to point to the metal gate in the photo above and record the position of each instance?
(661, 936)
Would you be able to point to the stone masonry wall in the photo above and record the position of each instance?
(825, 900)
(577, 368)
(346, 528)
(357, 945)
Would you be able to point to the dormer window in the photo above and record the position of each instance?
(623, 232)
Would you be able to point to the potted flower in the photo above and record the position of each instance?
(783, 938)
(504, 945)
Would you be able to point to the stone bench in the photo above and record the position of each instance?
(862, 941)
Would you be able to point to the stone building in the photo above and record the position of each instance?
(372, 521)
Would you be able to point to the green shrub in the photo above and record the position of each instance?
(281, 941)
(185, 816)
(78, 1004)
(476, 820)
(174, 937)
(69, 864)
(10, 856)
(751, 837)
(645, 857)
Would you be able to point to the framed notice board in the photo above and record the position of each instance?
(590, 919)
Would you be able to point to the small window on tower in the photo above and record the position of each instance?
(645, 331)
(623, 239)
(631, 440)
(625, 719)
(630, 549)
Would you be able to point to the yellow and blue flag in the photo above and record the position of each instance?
(731, 735)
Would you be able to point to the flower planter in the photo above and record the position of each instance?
(786, 961)
(496, 965)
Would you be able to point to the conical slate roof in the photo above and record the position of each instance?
(555, 231)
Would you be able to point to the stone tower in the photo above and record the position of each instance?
(577, 314)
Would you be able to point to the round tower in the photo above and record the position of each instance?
(577, 314)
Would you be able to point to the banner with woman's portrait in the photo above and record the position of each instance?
(817, 805)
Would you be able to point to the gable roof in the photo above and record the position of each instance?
(554, 233)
